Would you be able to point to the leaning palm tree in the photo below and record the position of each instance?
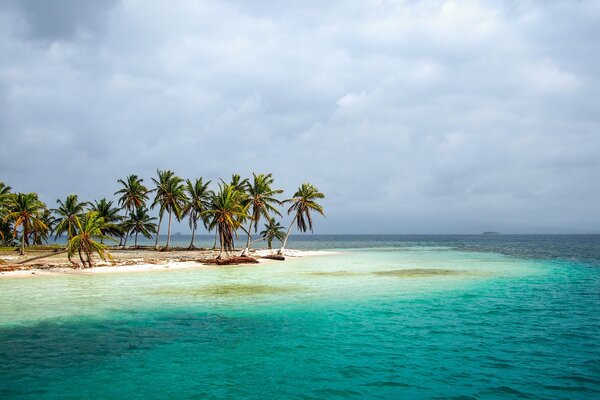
(133, 195)
(273, 230)
(225, 214)
(198, 201)
(25, 211)
(170, 196)
(66, 215)
(303, 202)
(140, 222)
(260, 197)
(89, 227)
(111, 217)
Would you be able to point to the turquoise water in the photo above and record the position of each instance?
(385, 317)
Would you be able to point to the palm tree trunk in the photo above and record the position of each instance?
(169, 231)
(247, 248)
(193, 234)
(215, 244)
(136, 235)
(287, 235)
(125, 241)
(160, 216)
(220, 237)
(23, 242)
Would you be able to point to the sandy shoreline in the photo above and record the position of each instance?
(138, 260)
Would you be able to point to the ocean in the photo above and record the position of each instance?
(382, 317)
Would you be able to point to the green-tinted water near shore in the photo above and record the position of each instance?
(410, 320)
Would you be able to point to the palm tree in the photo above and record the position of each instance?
(67, 214)
(170, 196)
(199, 199)
(40, 233)
(140, 222)
(226, 212)
(25, 210)
(239, 186)
(273, 230)
(260, 198)
(111, 217)
(89, 227)
(133, 195)
(4, 226)
(161, 185)
(303, 202)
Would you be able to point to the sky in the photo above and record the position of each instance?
(411, 117)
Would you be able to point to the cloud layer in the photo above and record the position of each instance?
(413, 117)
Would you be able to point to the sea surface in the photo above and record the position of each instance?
(384, 317)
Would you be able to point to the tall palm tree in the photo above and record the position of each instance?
(25, 211)
(303, 202)
(198, 201)
(226, 212)
(161, 186)
(261, 200)
(111, 217)
(273, 230)
(67, 214)
(170, 196)
(133, 195)
(89, 227)
(140, 222)
(4, 225)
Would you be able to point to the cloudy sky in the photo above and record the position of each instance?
(412, 117)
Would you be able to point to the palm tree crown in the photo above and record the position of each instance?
(66, 213)
(198, 201)
(140, 222)
(89, 227)
(25, 211)
(133, 194)
(111, 217)
(303, 202)
(273, 230)
(226, 212)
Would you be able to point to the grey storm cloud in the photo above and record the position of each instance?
(412, 117)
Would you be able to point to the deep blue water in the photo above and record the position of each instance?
(500, 317)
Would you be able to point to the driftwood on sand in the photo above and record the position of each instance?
(231, 260)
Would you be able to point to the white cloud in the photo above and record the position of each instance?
(411, 116)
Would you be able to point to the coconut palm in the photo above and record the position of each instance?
(161, 186)
(25, 211)
(67, 214)
(303, 202)
(198, 201)
(4, 226)
(111, 217)
(89, 227)
(170, 197)
(273, 230)
(133, 195)
(40, 233)
(260, 198)
(140, 222)
(225, 214)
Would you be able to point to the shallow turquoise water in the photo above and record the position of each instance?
(394, 320)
